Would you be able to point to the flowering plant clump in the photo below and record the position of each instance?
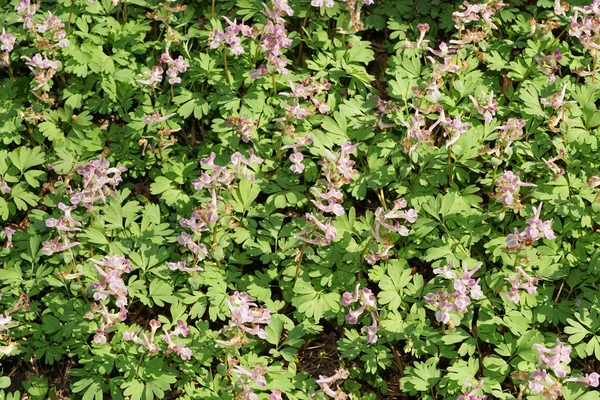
(294, 199)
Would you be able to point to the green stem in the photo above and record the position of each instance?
(226, 68)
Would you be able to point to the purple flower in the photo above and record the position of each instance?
(472, 394)
(556, 358)
(247, 316)
(9, 232)
(326, 235)
(321, 3)
(371, 330)
(154, 76)
(508, 185)
(53, 246)
(536, 229)
(390, 220)
(7, 41)
(257, 374)
(556, 101)
(592, 379)
(176, 66)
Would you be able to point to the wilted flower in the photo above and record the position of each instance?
(326, 382)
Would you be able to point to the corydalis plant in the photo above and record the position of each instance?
(457, 300)
(367, 303)
(536, 229)
(246, 318)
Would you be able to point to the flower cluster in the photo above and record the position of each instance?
(550, 64)
(472, 395)
(50, 247)
(337, 171)
(418, 134)
(218, 176)
(511, 131)
(444, 52)
(274, 40)
(588, 29)
(297, 157)
(110, 281)
(43, 69)
(230, 36)
(521, 281)
(66, 222)
(367, 302)
(54, 25)
(245, 376)
(181, 266)
(475, 12)
(148, 342)
(247, 317)
(99, 181)
(489, 109)
(507, 187)
(326, 382)
(324, 232)
(383, 108)
(153, 76)
(175, 66)
(243, 126)
(7, 43)
(536, 229)
(556, 100)
(312, 89)
(107, 319)
(391, 220)
(27, 11)
(423, 29)
(457, 301)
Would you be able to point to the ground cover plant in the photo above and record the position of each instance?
(299, 199)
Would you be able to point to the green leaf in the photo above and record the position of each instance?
(24, 158)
